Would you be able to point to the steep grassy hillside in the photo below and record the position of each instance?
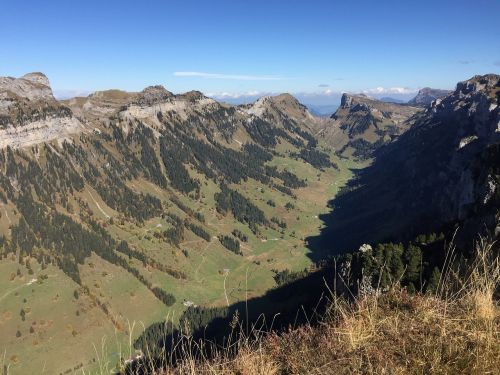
(156, 202)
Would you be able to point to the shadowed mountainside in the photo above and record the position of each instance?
(443, 170)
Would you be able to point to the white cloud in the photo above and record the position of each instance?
(237, 77)
(62, 94)
(326, 92)
(234, 95)
(389, 90)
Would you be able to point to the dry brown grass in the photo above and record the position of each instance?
(455, 332)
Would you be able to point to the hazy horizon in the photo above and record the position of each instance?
(236, 53)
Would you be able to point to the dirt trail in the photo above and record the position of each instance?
(98, 205)
(6, 214)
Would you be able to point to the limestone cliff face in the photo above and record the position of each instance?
(444, 169)
(473, 115)
(427, 95)
(362, 124)
(29, 114)
(33, 86)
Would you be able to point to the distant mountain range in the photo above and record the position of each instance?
(322, 110)
(423, 98)
(391, 100)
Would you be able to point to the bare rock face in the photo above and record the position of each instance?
(32, 86)
(362, 124)
(29, 113)
(427, 95)
(100, 104)
(474, 105)
(153, 95)
(37, 78)
(444, 169)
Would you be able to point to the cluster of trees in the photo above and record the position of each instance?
(241, 208)
(159, 336)
(43, 228)
(284, 190)
(172, 218)
(56, 179)
(363, 149)
(199, 231)
(197, 215)
(264, 133)
(230, 243)
(280, 223)
(220, 163)
(167, 298)
(415, 265)
(291, 125)
(240, 235)
(174, 154)
(69, 242)
(318, 159)
(124, 248)
(286, 276)
(136, 205)
(174, 235)
(149, 160)
(257, 152)
(289, 179)
(363, 119)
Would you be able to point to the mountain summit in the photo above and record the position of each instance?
(362, 124)
(32, 86)
(29, 113)
(427, 95)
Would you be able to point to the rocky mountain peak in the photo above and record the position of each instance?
(194, 95)
(473, 107)
(153, 95)
(350, 100)
(487, 83)
(362, 124)
(427, 95)
(346, 100)
(29, 113)
(31, 86)
(286, 99)
(283, 103)
(37, 77)
(289, 104)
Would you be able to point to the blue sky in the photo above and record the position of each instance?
(233, 49)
